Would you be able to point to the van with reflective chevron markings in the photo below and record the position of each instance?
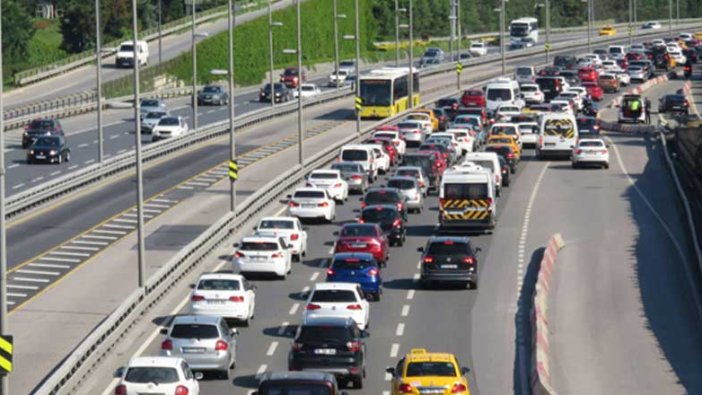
(467, 198)
(558, 134)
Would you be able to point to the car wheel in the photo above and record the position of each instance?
(68, 157)
(357, 382)
(59, 159)
(224, 374)
(296, 258)
(29, 161)
(606, 165)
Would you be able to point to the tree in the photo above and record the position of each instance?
(17, 32)
(78, 26)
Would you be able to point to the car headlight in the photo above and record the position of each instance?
(31, 152)
(277, 93)
(53, 152)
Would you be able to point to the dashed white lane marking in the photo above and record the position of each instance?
(314, 276)
(305, 289)
(39, 272)
(31, 280)
(261, 369)
(416, 277)
(73, 167)
(114, 136)
(394, 349)
(37, 179)
(18, 186)
(87, 162)
(271, 349)
(294, 308)
(405, 310)
(521, 250)
(400, 329)
(31, 287)
(388, 377)
(386, 392)
(331, 251)
(410, 294)
(55, 173)
(283, 328)
(83, 145)
(13, 166)
(49, 266)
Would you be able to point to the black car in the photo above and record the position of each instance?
(506, 152)
(450, 112)
(571, 77)
(41, 127)
(568, 62)
(425, 160)
(277, 383)
(51, 149)
(690, 54)
(449, 259)
(448, 152)
(390, 219)
(448, 102)
(505, 170)
(282, 93)
(384, 195)
(213, 94)
(588, 126)
(443, 118)
(330, 344)
(673, 103)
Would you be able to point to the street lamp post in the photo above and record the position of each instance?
(677, 12)
(160, 33)
(397, 34)
(357, 38)
(4, 384)
(194, 51)
(411, 57)
(502, 37)
(298, 51)
(271, 25)
(631, 21)
(589, 23)
(137, 138)
(230, 78)
(460, 33)
(670, 18)
(337, 16)
(98, 67)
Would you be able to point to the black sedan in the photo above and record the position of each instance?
(213, 94)
(281, 92)
(673, 103)
(50, 149)
(41, 127)
(390, 219)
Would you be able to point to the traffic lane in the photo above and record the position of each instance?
(610, 272)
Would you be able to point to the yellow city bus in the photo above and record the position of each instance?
(384, 92)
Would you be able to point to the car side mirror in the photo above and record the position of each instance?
(289, 196)
(164, 331)
(478, 249)
(119, 372)
(235, 245)
(464, 370)
(390, 370)
(335, 233)
(365, 334)
(289, 246)
(198, 376)
(234, 332)
(420, 249)
(192, 286)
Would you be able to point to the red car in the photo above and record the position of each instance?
(369, 238)
(588, 74)
(623, 63)
(388, 147)
(473, 98)
(438, 161)
(634, 56)
(593, 90)
(388, 128)
(291, 77)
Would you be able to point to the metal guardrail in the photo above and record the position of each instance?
(77, 60)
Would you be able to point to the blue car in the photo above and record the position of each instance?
(357, 267)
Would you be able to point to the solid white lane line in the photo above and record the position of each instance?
(88, 242)
(39, 272)
(31, 280)
(91, 236)
(410, 294)
(271, 349)
(78, 248)
(13, 166)
(400, 329)
(283, 328)
(50, 265)
(87, 162)
(394, 349)
(405, 310)
(32, 287)
(314, 276)
(294, 308)
(54, 259)
(17, 186)
(83, 254)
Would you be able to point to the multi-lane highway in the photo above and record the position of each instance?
(477, 325)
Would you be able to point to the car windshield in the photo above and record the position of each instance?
(168, 121)
(42, 124)
(408, 125)
(323, 176)
(379, 215)
(324, 333)
(598, 144)
(156, 375)
(500, 150)
(466, 191)
(407, 172)
(194, 331)
(420, 369)
(47, 142)
(354, 155)
(149, 103)
(346, 167)
(402, 184)
(529, 88)
(347, 63)
(295, 389)
(374, 197)
(488, 164)
(448, 247)
(258, 246)
(499, 94)
(524, 71)
(476, 45)
(309, 195)
(360, 230)
(219, 284)
(211, 89)
(503, 129)
(290, 72)
(155, 115)
(308, 88)
(126, 48)
(586, 123)
(376, 92)
(333, 296)
(675, 98)
(276, 224)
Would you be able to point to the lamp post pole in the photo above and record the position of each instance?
(194, 51)
(4, 384)
(232, 136)
(589, 25)
(502, 37)
(631, 21)
(358, 65)
(137, 138)
(547, 5)
(160, 33)
(411, 57)
(397, 34)
(270, 52)
(336, 43)
(670, 18)
(300, 136)
(98, 70)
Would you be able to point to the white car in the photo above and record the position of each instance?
(636, 73)
(332, 181)
(623, 77)
(151, 119)
(658, 42)
(594, 58)
(581, 90)
(412, 132)
(417, 173)
(478, 49)
(410, 189)
(616, 51)
(400, 144)
(225, 295)
(575, 96)
(290, 229)
(678, 56)
(507, 111)
(637, 48)
(423, 118)
(529, 132)
(590, 152)
(563, 104)
(169, 127)
(267, 254)
(651, 25)
(685, 36)
(339, 76)
(337, 300)
(312, 203)
(163, 375)
(448, 136)
(609, 65)
(532, 93)
(466, 142)
(308, 90)
(380, 157)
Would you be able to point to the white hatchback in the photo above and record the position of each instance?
(312, 203)
(290, 229)
(591, 152)
(338, 300)
(332, 181)
(400, 144)
(145, 375)
(263, 254)
(225, 295)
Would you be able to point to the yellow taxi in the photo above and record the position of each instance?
(424, 372)
(608, 30)
(432, 115)
(506, 139)
(697, 35)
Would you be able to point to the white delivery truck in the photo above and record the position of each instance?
(125, 54)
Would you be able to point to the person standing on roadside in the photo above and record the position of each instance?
(647, 109)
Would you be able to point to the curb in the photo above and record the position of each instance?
(540, 368)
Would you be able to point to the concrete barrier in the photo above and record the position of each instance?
(541, 372)
(632, 128)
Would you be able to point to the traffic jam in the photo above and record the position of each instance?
(453, 161)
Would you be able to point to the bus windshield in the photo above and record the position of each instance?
(376, 92)
(519, 29)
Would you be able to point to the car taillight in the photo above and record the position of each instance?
(428, 259)
(457, 388)
(356, 177)
(396, 142)
(331, 272)
(236, 298)
(578, 151)
(167, 345)
(323, 204)
(354, 346)
(294, 236)
(197, 298)
(221, 345)
(400, 206)
(406, 388)
(294, 204)
(182, 390)
(239, 254)
(604, 151)
(121, 389)
(489, 201)
(541, 140)
(469, 260)
(510, 155)
(313, 306)
(297, 346)
(354, 307)
(397, 223)
(373, 272)
(277, 255)
(363, 204)
(421, 184)
(337, 185)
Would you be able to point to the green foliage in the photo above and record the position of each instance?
(45, 46)
(17, 31)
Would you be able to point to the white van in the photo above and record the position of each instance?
(558, 134)
(502, 91)
(125, 54)
(467, 198)
(361, 154)
(489, 161)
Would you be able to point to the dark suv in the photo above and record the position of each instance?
(449, 259)
(384, 195)
(301, 383)
(390, 219)
(41, 127)
(281, 93)
(333, 345)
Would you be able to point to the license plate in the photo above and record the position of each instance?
(41, 156)
(309, 205)
(550, 144)
(193, 350)
(259, 258)
(449, 266)
(358, 245)
(216, 301)
(325, 351)
(479, 209)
